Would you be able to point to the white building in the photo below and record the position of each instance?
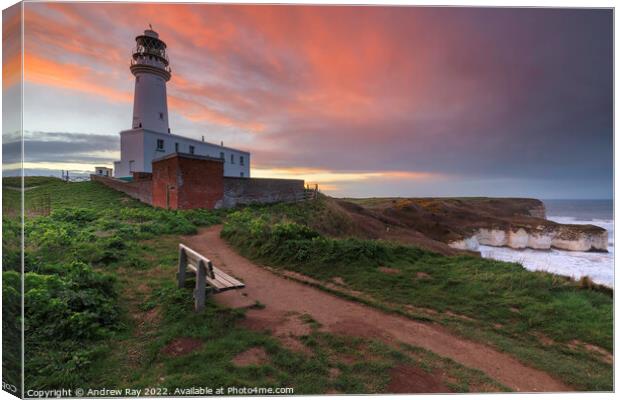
(150, 136)
(103, 171)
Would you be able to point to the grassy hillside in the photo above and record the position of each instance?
(548, 321)
(102, 308)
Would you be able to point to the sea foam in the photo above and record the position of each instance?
(598, 266)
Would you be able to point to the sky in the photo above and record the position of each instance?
(364, 101)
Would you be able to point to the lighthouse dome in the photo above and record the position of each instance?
(151, 33)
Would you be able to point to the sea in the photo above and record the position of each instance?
(598, 266)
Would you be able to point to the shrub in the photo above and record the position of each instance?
(11, 326)
(78, 303)
(74, 215)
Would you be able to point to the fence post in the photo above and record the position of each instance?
(182, 267)
(200, 291)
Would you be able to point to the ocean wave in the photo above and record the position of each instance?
(598, 266)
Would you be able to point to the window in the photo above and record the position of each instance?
(160, 144)
(241, 174)
(232, 158)
(176, 147)
(191, 149)
(161, 116)
(138, 78)
(222, 155)
(131, 165)
(241, 160)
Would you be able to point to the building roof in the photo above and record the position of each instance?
(188, 155)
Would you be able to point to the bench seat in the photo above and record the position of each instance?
(220, 281)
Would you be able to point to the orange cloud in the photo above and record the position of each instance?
(69, 77)
(52, 38)
(196, 111)
(335, 83)
(12, 71)
(326, 176)
(11, 46)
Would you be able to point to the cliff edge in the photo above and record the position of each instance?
(466, 223)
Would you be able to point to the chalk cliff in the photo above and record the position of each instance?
(466, 223)
(563, 237)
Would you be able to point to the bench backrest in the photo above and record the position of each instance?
(188, 256)
(205, 272)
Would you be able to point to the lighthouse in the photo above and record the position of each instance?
(150, 66)
(149, 138)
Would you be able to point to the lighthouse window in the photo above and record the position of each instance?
(232, 158)
(241, 160)
(176, 147)
(222, 155)
(191, 149)
(161, 116)
(160, 144)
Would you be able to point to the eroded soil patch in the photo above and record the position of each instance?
(389, 271)
(286, 327)
(253, 356)
(181, 346)
(409, 379)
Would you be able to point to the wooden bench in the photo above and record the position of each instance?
(206, 274)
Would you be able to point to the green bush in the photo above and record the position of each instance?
(11, 244)
(78, 303)
(74, 215)
(11, 327)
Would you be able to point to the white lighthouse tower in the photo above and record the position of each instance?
(150, 66)
(149, 137)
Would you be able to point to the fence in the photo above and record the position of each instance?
(311, 193)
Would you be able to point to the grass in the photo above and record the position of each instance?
(534, 315)
(366, 369)
(101, 307)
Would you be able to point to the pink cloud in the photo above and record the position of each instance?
(362, 89)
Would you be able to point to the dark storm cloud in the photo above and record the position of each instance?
(59, 147)
(539, 104)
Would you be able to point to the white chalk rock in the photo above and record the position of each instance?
(564, 237)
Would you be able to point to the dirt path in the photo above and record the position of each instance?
(283, 296)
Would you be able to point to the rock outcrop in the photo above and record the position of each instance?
(563, 237)
(466, 223)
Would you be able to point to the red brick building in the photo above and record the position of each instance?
(184, 181)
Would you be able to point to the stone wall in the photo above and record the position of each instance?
(242, 191)
(140, 190)
(185, 183)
